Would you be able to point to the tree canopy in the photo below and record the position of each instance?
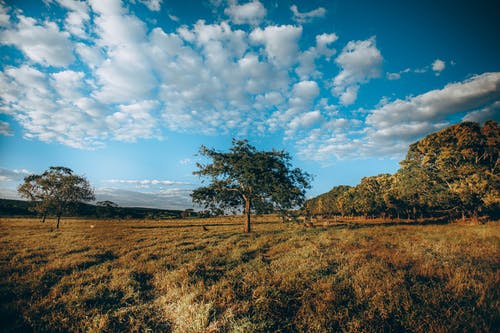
(55, 191)
(453, 172)
(250, 180)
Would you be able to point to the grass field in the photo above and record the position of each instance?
(173, 276)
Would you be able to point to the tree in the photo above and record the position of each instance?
(106, 208)
(456, 168)
(55, 191)
(250, 180)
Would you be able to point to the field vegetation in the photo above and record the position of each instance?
(205, 275)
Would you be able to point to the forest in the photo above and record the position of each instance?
(450, 174)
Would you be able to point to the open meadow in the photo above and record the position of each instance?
(175, 276)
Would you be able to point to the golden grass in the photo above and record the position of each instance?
(172, 276)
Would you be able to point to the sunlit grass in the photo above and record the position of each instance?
(135, 275)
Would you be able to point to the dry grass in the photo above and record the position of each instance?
(174, 276)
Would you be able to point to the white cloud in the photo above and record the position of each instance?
(134, 121)
(4, 16)
(281, 43)
(171, 198)
(153, 5)
(15, 175)
(393, 76)
(436, 105)
(491, 112)
(307, 16)
(304, 121)
(388, 130)
(307, 65)
(42, 43)
(173, 18)
(77, 17)
(360, 62)
(145, 182)
(250, 13)
(68, 84)
(40, 103)
(5, 129)
(438, 66)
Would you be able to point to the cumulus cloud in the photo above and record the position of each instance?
(307, 16)
(132, 81)
(491, 112)
(43, 43)
(438, 66)
(304, 121)
(77, 17)
(436, 105)
(134, 121)
(153, 5)
(5, 129)
(4, 17)
(250, 13)
(122, 79)
(307, 65)
(360, 61)
(388, 130)
(281, 43)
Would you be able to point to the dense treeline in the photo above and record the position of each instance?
(449, 174)
(19, 208)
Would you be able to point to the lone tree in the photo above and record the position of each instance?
(55, 191)
(250, 180)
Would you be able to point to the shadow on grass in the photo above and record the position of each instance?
(198, 225)
(52, 277)
(359, 225)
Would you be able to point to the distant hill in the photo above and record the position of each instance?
(20, 208)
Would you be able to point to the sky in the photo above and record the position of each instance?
(126, 92)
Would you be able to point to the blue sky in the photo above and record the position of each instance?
(126, 92)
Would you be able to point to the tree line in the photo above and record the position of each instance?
(451, 174)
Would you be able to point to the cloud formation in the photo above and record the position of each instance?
(172, 198)
(249, 13)
(101, 73)
(15, 175)
(389, 129)
(145, 182)
(360, 62)
(305, 17)
(438, 66)
(5, 129)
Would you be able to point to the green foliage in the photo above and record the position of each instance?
(56, 191)
(453, 173)
(250, 180)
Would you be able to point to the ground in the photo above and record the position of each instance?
(135, 275)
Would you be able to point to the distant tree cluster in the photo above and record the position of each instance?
(452, 173)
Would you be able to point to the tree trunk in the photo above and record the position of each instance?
(43, 218)
(247, 228)
(58, 220)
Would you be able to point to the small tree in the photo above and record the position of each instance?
(250, 180)
(55, 191)
(106, 208)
